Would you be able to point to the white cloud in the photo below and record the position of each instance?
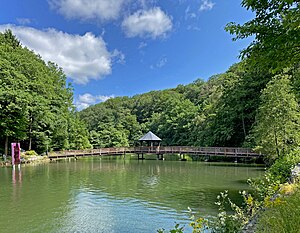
(206, 5)
(142, 45)
(23, 21)
(81, 57)
(189, 14)
(89, 9)
(162, 62)
(118, 57)
(147, 23)
(193, 28)
(87, 99)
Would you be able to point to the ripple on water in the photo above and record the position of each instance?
(105, 213)
(108, 196)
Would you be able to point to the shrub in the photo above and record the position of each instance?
(31, 153)
(281, 169)
(283, 217)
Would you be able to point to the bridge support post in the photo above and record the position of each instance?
(141, 157)
(160, 157)
(206, 157)
(182, 157)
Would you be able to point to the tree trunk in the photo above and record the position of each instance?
(276, 143)
(6, 146)
(244, 128)
(30, 132)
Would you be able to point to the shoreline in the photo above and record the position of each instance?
(29, 160)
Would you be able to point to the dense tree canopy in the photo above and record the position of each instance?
(277, 129)
(276, 31)
(240, 107)
(201, 114)
(275, 54)
(255, 103)
(35, 104)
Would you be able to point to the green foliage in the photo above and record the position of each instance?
(173, 123)
(281, 169)
(177, 229)
(111, 124)
(278, 121)
(276, 31)
(78, 133)
(225, 222)
(268, 191)
(121, 121)
(31, 153)
(200, 114)
(256, 103)
(280, 172)
(281, 218)
(219, 112)
(199, 225)
(35, 103)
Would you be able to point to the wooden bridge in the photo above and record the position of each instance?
(230, 152)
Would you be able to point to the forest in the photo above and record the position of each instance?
(36, 105)
(255, 103)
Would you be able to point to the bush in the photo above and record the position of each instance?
(268, 192)
(283, 218)
(281, 169)
(31, 153)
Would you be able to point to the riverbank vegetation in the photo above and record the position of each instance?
(276, 128)
(281, 218)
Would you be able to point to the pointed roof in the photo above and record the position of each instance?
(149, 137)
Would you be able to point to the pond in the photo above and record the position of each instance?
(114, 195)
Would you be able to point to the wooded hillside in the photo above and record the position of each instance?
(254, 104)
(36, 105)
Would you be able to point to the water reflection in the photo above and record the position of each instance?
(16, 176)
(104, 213)
(99, 195)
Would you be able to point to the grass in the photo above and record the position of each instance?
(283, 218)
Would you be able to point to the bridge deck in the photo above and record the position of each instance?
(208, 151)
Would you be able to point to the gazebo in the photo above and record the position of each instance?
(153, 143)
(151, 139)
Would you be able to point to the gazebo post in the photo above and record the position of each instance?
(150, 139)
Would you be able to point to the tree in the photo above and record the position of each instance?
(78, 134)
(112, 123)
(173, 124)
(277, 128)
(36, 105)
(13, 97)
(276, 30)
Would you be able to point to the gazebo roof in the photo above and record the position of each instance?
(149, 137)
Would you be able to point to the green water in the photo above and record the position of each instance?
(114, 195)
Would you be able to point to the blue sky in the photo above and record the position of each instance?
(113, 48)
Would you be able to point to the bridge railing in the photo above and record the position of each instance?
(200, 150)
(226, 151)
